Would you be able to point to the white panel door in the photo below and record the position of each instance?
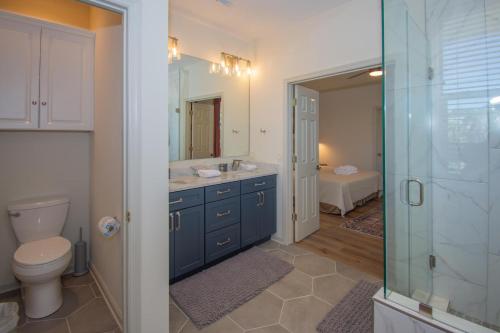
(306, 168)
(66, 80)
(19, 72)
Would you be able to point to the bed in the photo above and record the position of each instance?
(339, 194)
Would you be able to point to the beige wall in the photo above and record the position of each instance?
(107, 157)
(68, 12)
(37, 164)
(85, 166)
(345, 35)
(348, 127)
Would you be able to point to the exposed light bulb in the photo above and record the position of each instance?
(495, 100)
(376, 73)
(173, 50)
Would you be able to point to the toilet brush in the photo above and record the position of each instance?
(80, 257)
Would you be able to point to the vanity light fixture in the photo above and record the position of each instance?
(232, 65)
(173, 49)
(376, 73)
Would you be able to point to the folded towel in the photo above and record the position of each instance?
(208, 173)
(346, 170)
(248, 167)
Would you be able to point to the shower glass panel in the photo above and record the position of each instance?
(442, 155)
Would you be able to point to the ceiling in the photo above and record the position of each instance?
(252, 19)
(342, 81)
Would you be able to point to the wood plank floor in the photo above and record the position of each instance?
(363, 252)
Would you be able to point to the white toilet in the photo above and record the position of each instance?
(43, 254)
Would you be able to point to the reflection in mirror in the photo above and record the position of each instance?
(203, 128)
(208, 112)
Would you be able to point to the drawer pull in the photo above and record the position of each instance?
(227, 241)
(223, 192)
(227, 212)
(180, 200)
(259, 184)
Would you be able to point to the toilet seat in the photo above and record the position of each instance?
(42, 257)
(42, 252)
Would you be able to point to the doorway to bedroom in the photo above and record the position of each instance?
(337, 168)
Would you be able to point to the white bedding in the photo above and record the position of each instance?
(344, 190)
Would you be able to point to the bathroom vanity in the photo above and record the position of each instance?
(218, 217)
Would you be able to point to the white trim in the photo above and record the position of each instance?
(116, 312)
(441, 320)
(287, 179)
(140, 274)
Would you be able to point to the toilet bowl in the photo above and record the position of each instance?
(43, 255)
(39, 265)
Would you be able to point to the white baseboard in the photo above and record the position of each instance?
(113, 305)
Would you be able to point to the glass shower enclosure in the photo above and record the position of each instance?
(442, 156)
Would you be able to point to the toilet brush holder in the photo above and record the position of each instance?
(81, 267)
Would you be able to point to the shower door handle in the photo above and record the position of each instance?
(420, 201)
(404, 192)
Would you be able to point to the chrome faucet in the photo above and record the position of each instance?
(236, 165)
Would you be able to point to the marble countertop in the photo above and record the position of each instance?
(181, 183)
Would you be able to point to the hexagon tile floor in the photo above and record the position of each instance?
(83, 311)
(295, 304)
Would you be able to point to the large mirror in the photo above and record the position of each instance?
(209, 113)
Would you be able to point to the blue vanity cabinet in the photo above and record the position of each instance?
(189, 229)
(268, 224)
(258, 209)
(171, 246)
(251, 213)
(210, 223)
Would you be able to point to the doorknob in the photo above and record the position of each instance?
(318, 167)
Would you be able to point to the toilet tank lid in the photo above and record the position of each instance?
(37, 203)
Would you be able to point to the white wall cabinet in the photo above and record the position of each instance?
(46, 75)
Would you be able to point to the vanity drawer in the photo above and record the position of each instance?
(222, 191)
(188, 198)
(258, 184)
(220, 214)
(222, 242)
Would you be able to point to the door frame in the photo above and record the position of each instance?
(288, 174)
(145, 162)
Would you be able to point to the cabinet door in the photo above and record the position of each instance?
(189, 250)
(171, 247)
(66, 80)
(19, 68)
(268, 222)
(251, 215)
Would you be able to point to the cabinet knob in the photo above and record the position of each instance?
(44, 103)
(34, 102)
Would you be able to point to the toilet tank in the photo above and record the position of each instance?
(38, 218)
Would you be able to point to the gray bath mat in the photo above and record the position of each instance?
(354, 313)
(210, 295)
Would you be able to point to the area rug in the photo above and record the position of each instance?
(210, 295)
(354, 313)
(371, 223)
